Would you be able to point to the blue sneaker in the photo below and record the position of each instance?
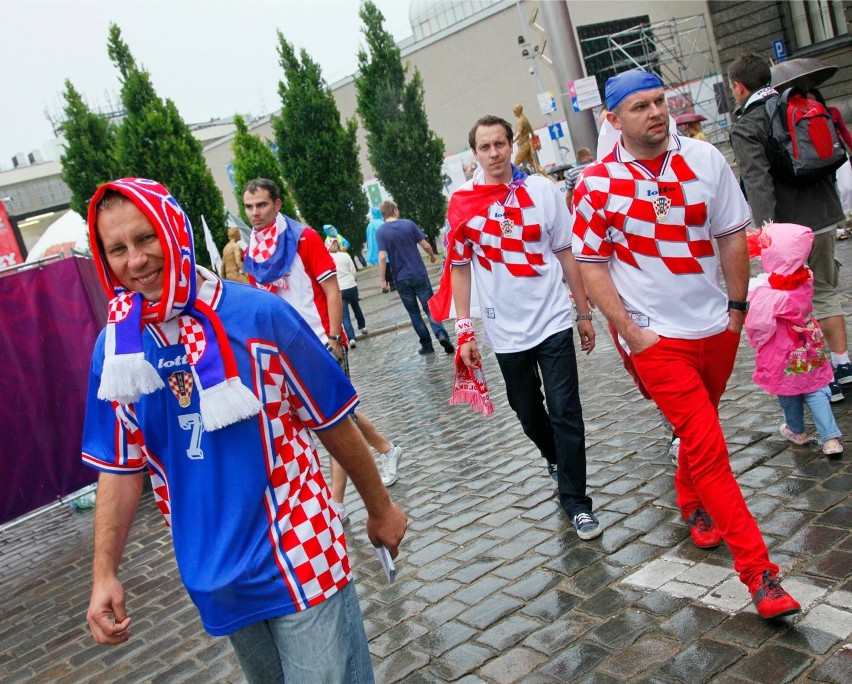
(551, 470)
(843, 374)
(836, 392)
(587, 525)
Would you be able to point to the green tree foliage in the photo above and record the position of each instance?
(253, 158)
(154, 142)
(90, 150)
(319, 155)
(405, 153)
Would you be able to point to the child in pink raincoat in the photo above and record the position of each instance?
(792, 361)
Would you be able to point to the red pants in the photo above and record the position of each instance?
(686, 379)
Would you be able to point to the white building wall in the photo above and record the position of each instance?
(475, 70)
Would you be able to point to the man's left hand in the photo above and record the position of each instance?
(336, 349)
(587, 336)
(388, 528)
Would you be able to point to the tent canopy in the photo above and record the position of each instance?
(69, 232)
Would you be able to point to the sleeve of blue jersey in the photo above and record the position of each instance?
(105, 445)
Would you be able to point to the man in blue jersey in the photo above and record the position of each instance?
(214, 389)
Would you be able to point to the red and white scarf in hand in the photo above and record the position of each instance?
(469, 385)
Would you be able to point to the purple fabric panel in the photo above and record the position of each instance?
(49, 320)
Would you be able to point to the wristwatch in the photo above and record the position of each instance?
(738, 306)
(583, 317)
(336, 338)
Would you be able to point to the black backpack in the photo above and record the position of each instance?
(803, 141)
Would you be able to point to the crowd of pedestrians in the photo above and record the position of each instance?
(218, 389)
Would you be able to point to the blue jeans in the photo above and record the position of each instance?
(558, 430)
(350, 298)
(325, 644)
(820, 405)
(410, 291)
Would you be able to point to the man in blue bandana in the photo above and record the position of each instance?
(647, 216)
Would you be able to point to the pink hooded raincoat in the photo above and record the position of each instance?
(791, 354)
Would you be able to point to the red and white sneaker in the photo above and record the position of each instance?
(771, 600)
(702, 530)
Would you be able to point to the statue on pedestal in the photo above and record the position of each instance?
(525, 156)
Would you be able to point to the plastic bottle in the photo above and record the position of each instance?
(85, 502)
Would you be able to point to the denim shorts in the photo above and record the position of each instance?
(325, 644)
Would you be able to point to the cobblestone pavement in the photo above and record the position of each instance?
(493, 584)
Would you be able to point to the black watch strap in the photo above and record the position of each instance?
(738, 306)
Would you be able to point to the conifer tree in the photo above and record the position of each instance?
(406, 155)
(253, 158)
(89, 158)
(154, 142)
(318, 154)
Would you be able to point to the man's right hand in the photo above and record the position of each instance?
(388, 528)
(642, 339)
(470, 353)
(107, 616)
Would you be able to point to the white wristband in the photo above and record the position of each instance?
(464, 325)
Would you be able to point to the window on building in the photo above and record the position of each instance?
(431, 16)
(615, 46)
(816, 20)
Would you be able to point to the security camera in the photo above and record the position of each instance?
(532, 71)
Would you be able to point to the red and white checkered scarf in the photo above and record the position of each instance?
(271, 253)
(469, 386)
(127, 375)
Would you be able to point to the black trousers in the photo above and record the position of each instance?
(556, 430)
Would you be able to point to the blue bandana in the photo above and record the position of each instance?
(629, 82)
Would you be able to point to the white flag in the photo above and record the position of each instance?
(215, 257)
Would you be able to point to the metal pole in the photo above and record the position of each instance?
(534, 70)
(568, 66)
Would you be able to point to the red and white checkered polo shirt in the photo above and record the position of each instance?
(659, 228)
(517, 276)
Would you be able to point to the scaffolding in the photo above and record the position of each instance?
(679, 52)
(113, 110)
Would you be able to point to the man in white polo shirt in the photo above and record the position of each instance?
(512, 233)
(645, 217)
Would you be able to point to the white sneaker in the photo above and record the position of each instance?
(388, 464)
(341, 512)
(674, 449)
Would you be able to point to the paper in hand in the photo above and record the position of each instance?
(387, 563)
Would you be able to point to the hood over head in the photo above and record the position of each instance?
(175, 233)
(785, 247)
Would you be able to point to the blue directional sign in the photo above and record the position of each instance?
(555, 131)
(780, 50)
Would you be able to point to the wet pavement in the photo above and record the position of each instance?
(493, 584)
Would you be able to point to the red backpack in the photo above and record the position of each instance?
(802, 137)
